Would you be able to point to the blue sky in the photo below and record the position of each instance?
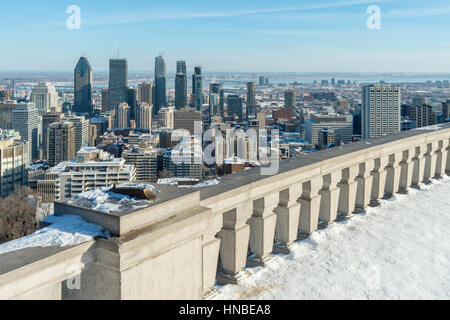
(230, 35)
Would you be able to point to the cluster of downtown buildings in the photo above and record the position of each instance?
(140, 134)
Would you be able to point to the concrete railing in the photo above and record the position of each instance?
(179, 246)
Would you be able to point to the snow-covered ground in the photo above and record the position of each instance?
(399, 250)
(66, 230)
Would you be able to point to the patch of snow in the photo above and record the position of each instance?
(65, 230)
(102, 199)
(399, 250)
(433, 127)
(206, 183)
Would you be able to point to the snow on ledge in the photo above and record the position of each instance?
(65, 230)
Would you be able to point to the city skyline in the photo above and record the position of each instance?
(302, 36)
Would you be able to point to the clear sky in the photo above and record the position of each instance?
(229, 35)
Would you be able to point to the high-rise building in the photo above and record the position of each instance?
(197, 89)
(132, 103)
(341, 125)
(446, 109)
(235, 106)
(145, 93)
(145, 162)
(251, 95)
(160, 98)
(421, 114)
(122, 116)
(380, 110)
(118, 82)
(187, 119)
(83, 87)
(44, 95)
(61, 142)
(25, 119)
(166, 117)
(81, 125)
(214, 105)
(105, 99)
(145, 116)
(6, 110)
(181, 86)
(218, 89)
(47, 119)
(289, 99)
(13, 165)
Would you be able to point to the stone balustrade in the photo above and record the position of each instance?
(178, 247)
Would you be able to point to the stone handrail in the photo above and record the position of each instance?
(181, 245)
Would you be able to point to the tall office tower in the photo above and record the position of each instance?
(105, 99)
(218, 88)
(145, 93)
(235, 106)
(160, 97)
(289, 99)
(13, 165)
(44, 95)
(251, 96)
(93, 135)
(421, 113)
(261, 80)
(81, 126)
(61, 143)
(25, 120)
(446, 109)
(6, 110)
(197, 89)
(118, 82)
(132, 103)
(380, 110)
(83, 87)
(166, 117)
(341, 125)
(122, 116)
(188, 119)
(47, 119)
(145, 116)
(181, 85)
(214, 105)
(261, 116)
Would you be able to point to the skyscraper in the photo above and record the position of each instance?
(218, 89)
(25, 120)
(81, 126)
(47, 120)
(83, 87)
(446, 109)
(234, 106)
(289, 99)
(105, 99)
(118, 82)
(13, 164)
(197, 88)
(61, 142)
(160, 99)
(132, 103)
(251, 95)
(145, 93)
(380, 110)
(44, 95)
(145, 116)
(181, 85)
(122, 114)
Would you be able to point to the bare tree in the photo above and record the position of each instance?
(18, 215)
